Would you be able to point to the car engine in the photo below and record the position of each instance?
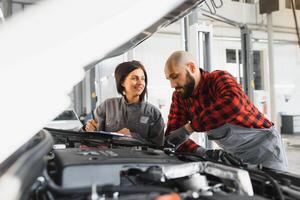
(109, 169)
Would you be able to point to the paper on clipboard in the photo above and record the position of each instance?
(111, 133)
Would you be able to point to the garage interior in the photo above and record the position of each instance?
(258, 44)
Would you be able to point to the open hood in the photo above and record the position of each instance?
(44, 49)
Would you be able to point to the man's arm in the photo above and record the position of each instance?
(177, 115)
(178, 120)
(229, 102)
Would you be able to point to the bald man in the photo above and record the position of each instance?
(213, 102)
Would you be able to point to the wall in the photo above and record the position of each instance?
(287, 70)
(153, 53)
(249, 13)
(104, 80)
(284, 17)
(243, 12)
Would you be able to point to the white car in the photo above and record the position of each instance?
(67, 120)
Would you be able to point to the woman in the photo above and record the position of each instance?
(130, 114)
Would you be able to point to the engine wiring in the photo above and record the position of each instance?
(254, 172)
(53, 187)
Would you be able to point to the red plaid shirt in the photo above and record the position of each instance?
(218, 99)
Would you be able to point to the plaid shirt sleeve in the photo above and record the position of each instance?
(177, 118)
(229, 103)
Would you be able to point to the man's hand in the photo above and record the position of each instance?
(91, 125)
(177, 137)
(222, 156)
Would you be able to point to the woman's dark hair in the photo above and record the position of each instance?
(122, 71)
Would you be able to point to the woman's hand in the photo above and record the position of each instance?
(124, 131)
(91, 125)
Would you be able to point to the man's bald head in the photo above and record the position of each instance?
(182, 72)
(179, 59)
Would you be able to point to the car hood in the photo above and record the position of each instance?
(44, 49)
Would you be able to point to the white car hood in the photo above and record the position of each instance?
(43, 51)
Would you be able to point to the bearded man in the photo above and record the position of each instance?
(213, 102)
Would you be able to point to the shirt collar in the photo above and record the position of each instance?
(200, 85)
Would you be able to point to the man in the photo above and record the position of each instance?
(213, 102)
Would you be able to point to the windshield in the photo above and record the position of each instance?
(66, 115)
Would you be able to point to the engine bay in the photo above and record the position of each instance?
(106, 169)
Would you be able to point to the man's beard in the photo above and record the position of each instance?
(188, 88)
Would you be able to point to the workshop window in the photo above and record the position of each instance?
(297, 4)
(245, 1)
(288, 4)
(257, 70)
(249, 1)
(230, 56)
(240, 57)
(234, 56)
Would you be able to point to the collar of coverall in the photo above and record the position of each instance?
(130, 104)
